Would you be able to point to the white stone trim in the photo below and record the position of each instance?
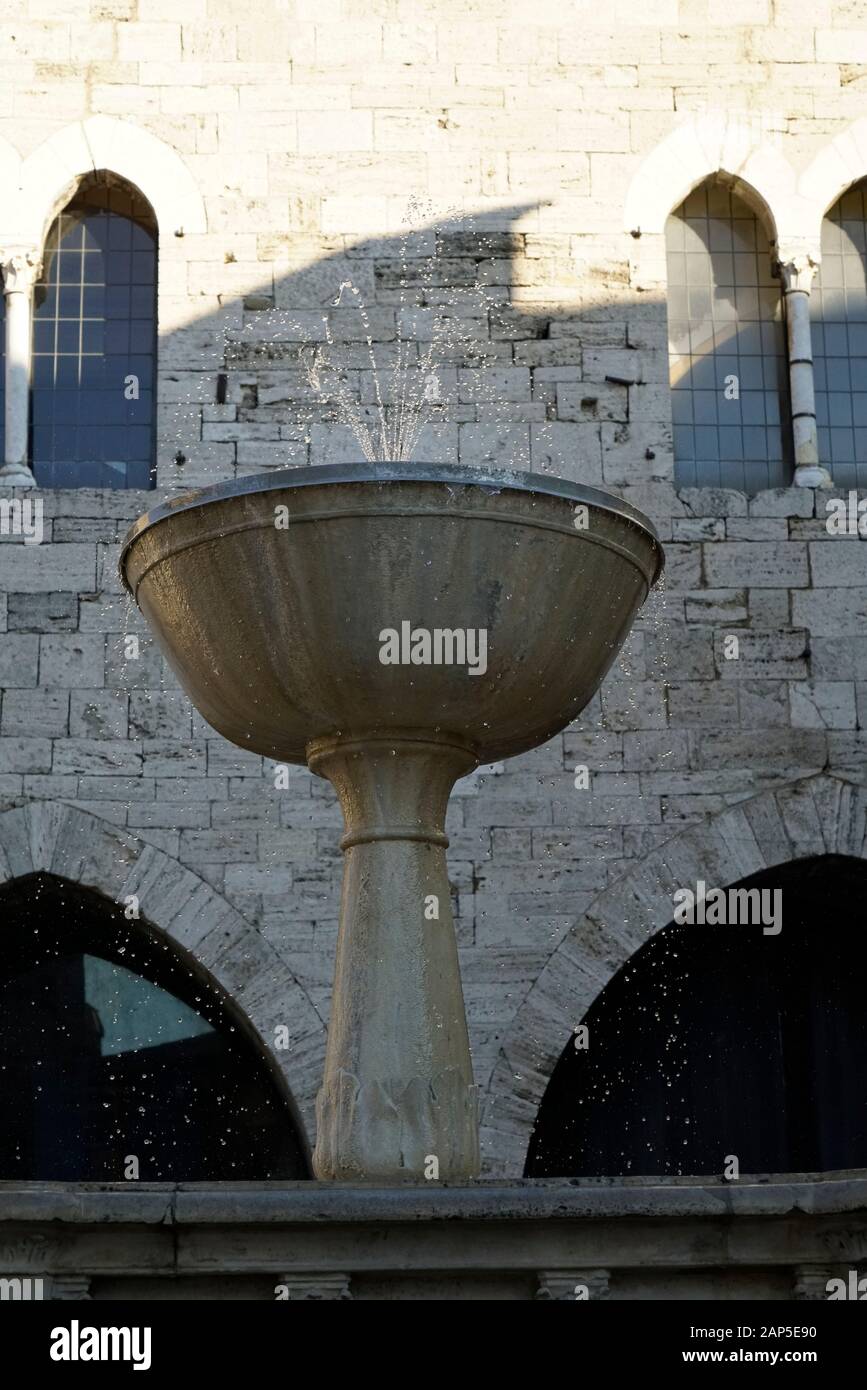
(62, 840)
(819, 815)
(839, 164)
(796, 275)
(10, 172)
(50, 173)
(792, 205)
(709, 144)
(14, 471)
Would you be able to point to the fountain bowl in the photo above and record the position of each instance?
(270, 595)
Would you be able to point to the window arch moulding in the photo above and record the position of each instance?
(50, 174)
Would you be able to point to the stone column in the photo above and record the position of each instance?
(20, 267)
(397, 1099)
(797, 271)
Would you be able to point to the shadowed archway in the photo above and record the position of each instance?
(725, 1040)
(817, 816)
(119, 1058)
(188, 916)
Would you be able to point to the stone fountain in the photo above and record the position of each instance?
(393, 626)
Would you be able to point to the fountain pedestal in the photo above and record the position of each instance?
(271, 597)
(398, 1088)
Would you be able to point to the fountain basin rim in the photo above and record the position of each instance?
(459, 475)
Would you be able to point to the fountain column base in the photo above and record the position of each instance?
(397, 1100)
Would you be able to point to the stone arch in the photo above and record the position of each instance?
(10, 167)
(49, 176)
(818, 815)
(738, 150)
(716, 143)
(70, 843)
(835, 168)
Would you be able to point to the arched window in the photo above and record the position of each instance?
(727, 352)
(838, 308)
(112, 1047)
(94, 342)
(719, 1040)
(2, 374)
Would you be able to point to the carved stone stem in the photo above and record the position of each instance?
(398, 1088)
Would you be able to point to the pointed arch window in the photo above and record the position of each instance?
(94, 342)
(838, 312)
(727, 350)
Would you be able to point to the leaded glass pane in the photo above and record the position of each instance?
(727, 350)
(838, 309)
(94, 344)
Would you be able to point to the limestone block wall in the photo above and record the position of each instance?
(488, 166)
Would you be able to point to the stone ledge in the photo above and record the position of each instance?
(629, 1238)
(300, 1203)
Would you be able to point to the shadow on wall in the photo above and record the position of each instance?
(532, 370)
(576, 378)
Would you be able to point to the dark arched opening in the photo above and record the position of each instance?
(112, 1046)
(721, 1040)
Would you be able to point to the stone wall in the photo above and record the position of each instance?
(305, 129)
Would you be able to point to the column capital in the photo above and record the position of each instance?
(797, 269)
(20, 267)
